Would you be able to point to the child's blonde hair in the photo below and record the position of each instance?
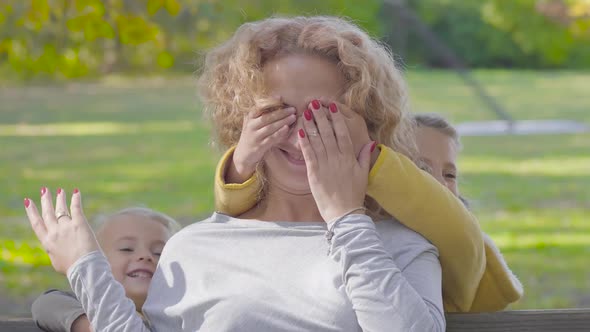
(169, 223)
(231, 84)
(435, 121)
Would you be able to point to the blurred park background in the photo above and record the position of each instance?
(99, 95)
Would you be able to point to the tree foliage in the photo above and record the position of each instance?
(517, 33)
(557, 31)
(77, 38)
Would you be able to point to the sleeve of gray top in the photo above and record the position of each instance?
(56, 311)
(384, 298)
(102, 297)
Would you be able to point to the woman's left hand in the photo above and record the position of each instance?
(337, 176)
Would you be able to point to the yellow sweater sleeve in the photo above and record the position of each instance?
(499, 286)
(234, 198)
(475, 276)
(418, 201)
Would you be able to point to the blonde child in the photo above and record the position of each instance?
(132, 239)
(438, 145)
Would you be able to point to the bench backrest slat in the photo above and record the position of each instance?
(575, 320)
(18, 325)
(521, 320)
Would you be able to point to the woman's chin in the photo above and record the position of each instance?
(293, 187)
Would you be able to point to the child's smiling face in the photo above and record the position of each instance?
(132, 245)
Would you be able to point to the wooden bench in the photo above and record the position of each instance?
(505, 321)
(522, 320)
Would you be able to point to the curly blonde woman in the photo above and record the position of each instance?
(474, 275)
(306, 98)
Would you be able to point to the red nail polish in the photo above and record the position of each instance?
(315, 104)
(27, 203)
(373, 146)
(58, 191)
(307, 115)
(301, 133)
(76, 191)
(43, 190)
(333, 108)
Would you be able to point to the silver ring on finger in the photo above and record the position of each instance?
(59, 214)
(313, 133)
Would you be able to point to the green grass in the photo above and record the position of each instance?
(524, 94)
(143, 141)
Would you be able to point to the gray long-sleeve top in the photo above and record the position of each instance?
(56, 311)
(228, 274)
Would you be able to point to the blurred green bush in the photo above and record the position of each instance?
(62, 39)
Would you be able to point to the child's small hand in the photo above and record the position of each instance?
(260, 131)
(65, 236)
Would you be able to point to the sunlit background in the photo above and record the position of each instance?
(99, 95)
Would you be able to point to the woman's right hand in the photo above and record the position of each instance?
(64, 233)
(260, 131)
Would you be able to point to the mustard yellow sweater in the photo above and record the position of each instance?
(475, 276)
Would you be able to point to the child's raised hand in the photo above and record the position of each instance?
(64, 233)
(260, 131)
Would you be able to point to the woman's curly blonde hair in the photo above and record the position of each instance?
(231, 83)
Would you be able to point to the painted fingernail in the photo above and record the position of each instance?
(315, 104)
(301, 133)
(373, 146)
(76, 191)
(307, 115)
(27, 203)
(333, 108)
(43, 190)
(58, 191)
